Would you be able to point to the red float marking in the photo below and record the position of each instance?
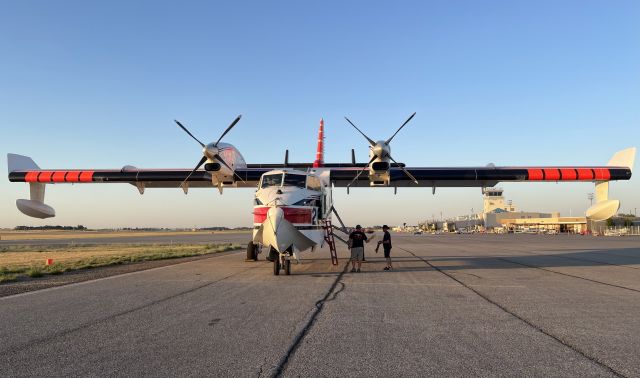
(31, 176)
(45, 176)
(535, 174)
(86, 176)
(73, 176)
(602, 174)
(297, 215)
(552, 174)
(568, 174)
(260, 214)
(585, 174)
(58, 176)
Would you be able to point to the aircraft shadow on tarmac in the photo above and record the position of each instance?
(628, 258)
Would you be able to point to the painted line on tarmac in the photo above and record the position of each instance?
(575, 348)
(219, 254)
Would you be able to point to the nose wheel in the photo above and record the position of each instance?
(280, 261)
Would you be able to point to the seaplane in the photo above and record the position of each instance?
(293, 204)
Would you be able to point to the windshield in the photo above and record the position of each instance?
(295, 180)
(272, 180)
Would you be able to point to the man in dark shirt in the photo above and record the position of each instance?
(386, 245)
(356, 241)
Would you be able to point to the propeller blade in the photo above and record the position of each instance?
(403, 169)
(363, 134)
(228, 129)
(187, 131)
(204, 158)
(221, 160)
(362, 170)
(405, 122)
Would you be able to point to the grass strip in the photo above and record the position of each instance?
(130, 253)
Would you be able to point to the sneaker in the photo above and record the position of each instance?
(353, 270)
(358, 271)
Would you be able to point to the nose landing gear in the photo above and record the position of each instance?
(280, 261)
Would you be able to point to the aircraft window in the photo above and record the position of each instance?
(295, 180)
(313, 183)
(271, 180)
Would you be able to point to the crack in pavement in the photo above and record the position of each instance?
(284, 360)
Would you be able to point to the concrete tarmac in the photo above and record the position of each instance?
(454, 305)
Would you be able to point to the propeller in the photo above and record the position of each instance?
(382, 150)
(210, 151)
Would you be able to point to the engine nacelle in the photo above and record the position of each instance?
(379, 173)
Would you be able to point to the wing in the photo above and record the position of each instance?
(150, 178)
(481, 176)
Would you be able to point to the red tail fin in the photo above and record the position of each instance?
(319, 162)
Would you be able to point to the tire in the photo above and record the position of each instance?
(252, 253)
(272, 255)
(287, 267)
(276, 267)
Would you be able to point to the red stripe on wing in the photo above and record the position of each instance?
(31, 176)
(551, 174)
(58, 176)
(86, 176)
(602, 174)
(45, 176)
(73, 176)
(585, 174)
(535, 174)
(568, 174)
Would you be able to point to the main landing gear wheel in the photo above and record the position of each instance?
(287, 267)
(276, 266)
(252, 252)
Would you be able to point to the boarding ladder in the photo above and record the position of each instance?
(328, 237)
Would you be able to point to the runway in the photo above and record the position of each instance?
(455, 305)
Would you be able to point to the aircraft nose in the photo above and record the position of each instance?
(275, 215)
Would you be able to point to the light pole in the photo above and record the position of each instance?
(590, 197)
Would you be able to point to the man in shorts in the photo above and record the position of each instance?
(386, 245)
(356, 240)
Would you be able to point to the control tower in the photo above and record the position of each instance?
(493, 199)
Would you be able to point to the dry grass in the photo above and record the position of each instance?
(35, 234)
(24, 260)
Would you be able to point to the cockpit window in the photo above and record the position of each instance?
(313, 183)
(291, 179)
(272, 180)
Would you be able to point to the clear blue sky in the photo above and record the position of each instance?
(98, 84)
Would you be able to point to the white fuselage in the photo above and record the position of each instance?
(290, 208)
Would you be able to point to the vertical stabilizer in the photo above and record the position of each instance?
(319, 162)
